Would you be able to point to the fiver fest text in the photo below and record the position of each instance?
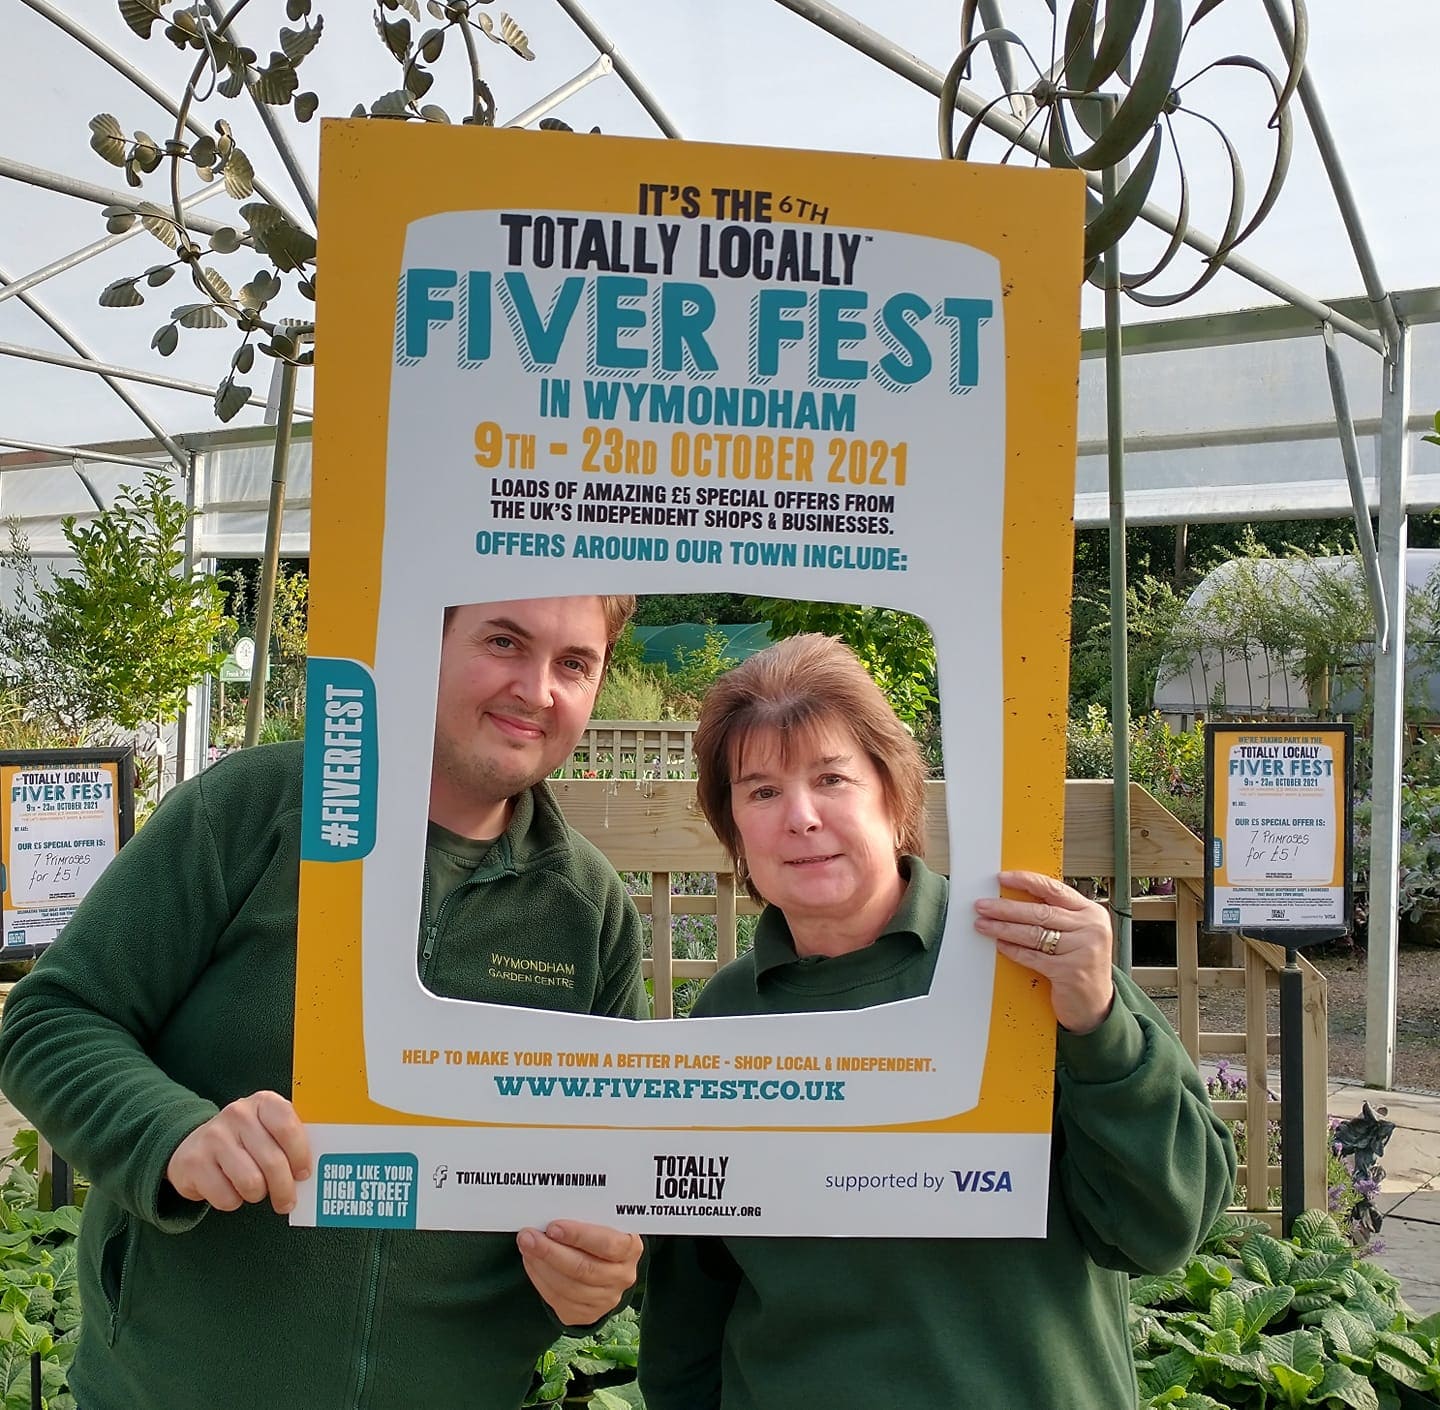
(640, 296)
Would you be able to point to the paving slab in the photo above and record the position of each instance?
(1411, 1239)
(10, 1122)
(1411, 1162)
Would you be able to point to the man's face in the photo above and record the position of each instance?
(517, 685)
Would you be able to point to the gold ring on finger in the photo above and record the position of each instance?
(1049, 941)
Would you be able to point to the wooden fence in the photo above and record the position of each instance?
(634, 749)
(654, 825)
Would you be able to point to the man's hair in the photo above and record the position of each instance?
(798, 689)
(618, 609)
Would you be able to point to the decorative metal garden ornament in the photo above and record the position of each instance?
(1105, 98)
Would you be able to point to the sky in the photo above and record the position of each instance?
(742, 71)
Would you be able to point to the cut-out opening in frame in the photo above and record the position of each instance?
(820, 792)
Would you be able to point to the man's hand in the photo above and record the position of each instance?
(581, 1270)
(256, 1147)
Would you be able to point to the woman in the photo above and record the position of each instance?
(817, 790)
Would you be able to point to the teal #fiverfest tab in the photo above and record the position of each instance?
(342, 762)
(374, 1190)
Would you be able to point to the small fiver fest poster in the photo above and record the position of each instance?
(63, 816)
(1279, 829)
(554, 365)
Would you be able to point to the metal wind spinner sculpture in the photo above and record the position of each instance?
(1102, 100)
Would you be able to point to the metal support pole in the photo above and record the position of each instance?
(1389, 725)
(187, 567)
(1292, 1086)
(1350, 454)
(632, 80)
(1339, 182)
(56, 1181)
(270, 567)
(1119, 645)
(582, 80)
(78, 466)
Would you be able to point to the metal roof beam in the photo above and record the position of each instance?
(70, 453)
(181, 459)
(96, 247)
(1256, 325)
(89, 191)
(901, 61)
(127, 374)
(632, 80)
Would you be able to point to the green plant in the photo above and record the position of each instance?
(39, 1294)
(693, 674)
(1170, 764)
(630, 692)
(276, 728)
(285, 683)
(20, 728)
(121, 641)
(597, 1370)
(1227, 1084)
(1254, 1321)
(1417, 893)
(1296, 617)
(1152, 608)
(40, 1310)
(896, 648)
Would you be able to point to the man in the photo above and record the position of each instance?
(152, 1045)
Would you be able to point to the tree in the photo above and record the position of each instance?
(1153, 608)
(896, 648)
(1163, 565)
(1295, 616)
(121, 641)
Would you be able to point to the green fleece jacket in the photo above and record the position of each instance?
(1140, 1167)
(170, 994)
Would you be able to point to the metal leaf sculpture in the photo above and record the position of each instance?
(1109, 96)
(222, 65)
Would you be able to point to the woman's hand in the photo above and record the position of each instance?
(1059, 933)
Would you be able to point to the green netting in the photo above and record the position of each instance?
(666, 645)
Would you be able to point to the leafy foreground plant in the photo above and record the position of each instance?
(39, 1295)
(596, 1370)
(1254, 1321)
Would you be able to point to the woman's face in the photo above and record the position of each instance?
(817, 833)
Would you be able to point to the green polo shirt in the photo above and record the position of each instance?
(772, 978)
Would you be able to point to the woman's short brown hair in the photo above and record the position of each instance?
(798, 688)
